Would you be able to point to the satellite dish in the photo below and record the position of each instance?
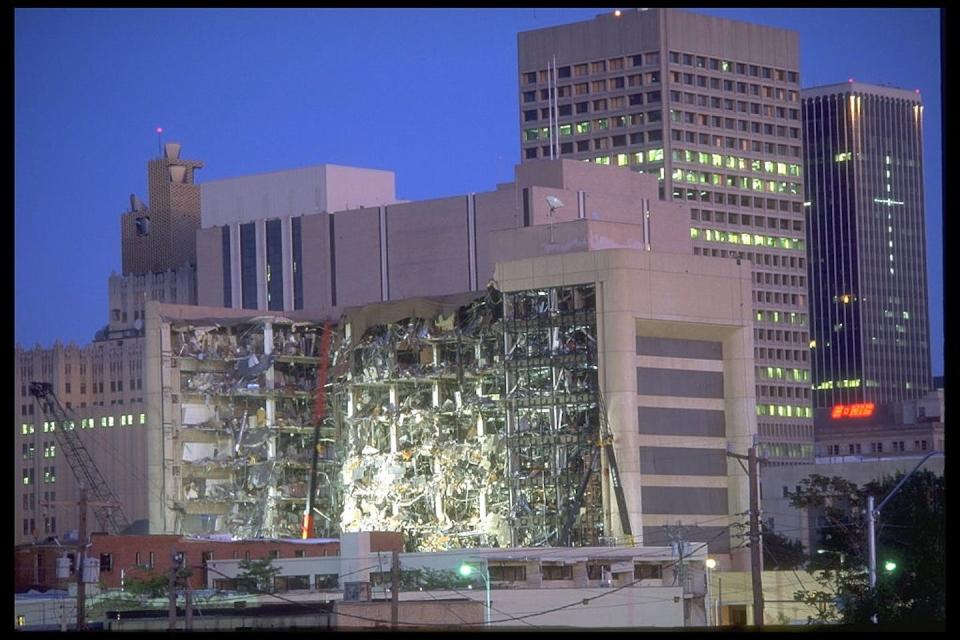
(138, 324)
(554, 202)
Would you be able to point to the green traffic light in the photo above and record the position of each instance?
(889, 565)
(465, 569)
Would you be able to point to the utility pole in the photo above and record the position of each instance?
(756, 551)
(172, 591)
(395, 589)
(82, 505)
(81, 561)
(756, 557)
(188, 606)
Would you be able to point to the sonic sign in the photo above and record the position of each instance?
(859, 410)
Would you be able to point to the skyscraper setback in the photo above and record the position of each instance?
(711, 106)
(869, 322)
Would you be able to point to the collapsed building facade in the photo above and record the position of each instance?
(578, 382)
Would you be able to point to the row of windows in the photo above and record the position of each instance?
(125, 420)
(857, 448)
(734, 124)
(776, 297)
(736, 162)
(735, 200)
(729, 104)
(776, 335)
(718, 84)
(769, 353)
(781, 373)
(584, 127)
(786, 451)
(49, 476)
(598, 66)
(784, 411)
(746, 219)
(622, 160)
(596, 86)
(784, 317)
(747, 239)
(736, 182)
(599, 105)
(739, 68)
(774, 391)
(49, 450)
(779, 280)
(727, 142)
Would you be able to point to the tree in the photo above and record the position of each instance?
(911, 532)
(431, 579)
(257, 575)
(780, 552)
(149, 585)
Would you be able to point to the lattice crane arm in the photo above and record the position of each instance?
(109, 513)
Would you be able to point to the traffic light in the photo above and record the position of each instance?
(890, 566)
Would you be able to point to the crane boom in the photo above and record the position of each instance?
(109, 513)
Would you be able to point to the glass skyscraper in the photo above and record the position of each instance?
(863, 159)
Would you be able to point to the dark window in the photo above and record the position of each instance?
(227, 276)
(557, 572)
(582, 107)
(529, 116)
(106, 562)
(274, 266)
(565, 110)
(248, 264)
(297, 242)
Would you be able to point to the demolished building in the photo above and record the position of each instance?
(472, 420)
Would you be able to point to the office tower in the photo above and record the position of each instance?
(712, 107)
(868, 288)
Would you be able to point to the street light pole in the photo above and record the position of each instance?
(710, 564)
(466, 570)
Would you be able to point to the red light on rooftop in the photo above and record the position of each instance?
(917, 91)
(159, 129)
(857, 410)
(850, 80)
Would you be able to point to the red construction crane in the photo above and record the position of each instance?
(319, 411)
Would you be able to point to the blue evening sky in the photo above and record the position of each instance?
(428, 93)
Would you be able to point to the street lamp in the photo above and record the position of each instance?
(711, 564)
(840, 553)
(467, 570)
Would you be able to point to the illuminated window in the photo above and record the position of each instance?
(583, 127)
(143, 418)
(623, 159)
(49, 426)
(26, 428)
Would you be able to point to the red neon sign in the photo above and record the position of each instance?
(859, 410)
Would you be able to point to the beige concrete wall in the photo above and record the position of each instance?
(432, 614)
(427, 248)
(315, 240)
(358, 256)
(294, 192)
(210, 266)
